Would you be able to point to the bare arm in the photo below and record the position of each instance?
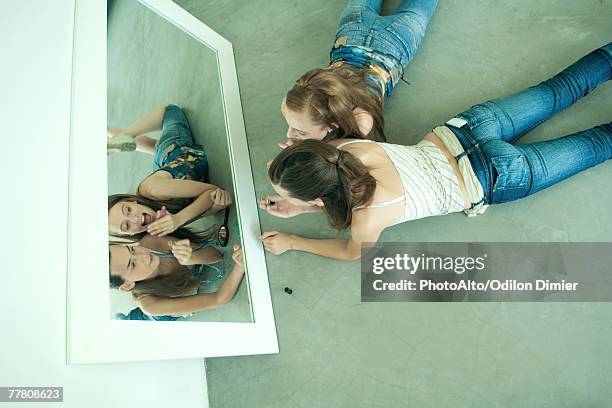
(182, 250)
(346, 250)
(160, 305)
(363, 229)
(210, 199)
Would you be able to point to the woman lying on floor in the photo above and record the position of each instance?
(164, 273)
(468, 164)
(176, 192)
(367, 61)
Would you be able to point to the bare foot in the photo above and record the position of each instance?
(120, 143)
(111, 132)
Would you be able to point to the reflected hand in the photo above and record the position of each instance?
(280, 207)
(221, 198)
(166, 223)
(276, 242)
(182, 251)
(237, 256)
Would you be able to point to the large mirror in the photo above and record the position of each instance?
(159, 88)
(159, 76)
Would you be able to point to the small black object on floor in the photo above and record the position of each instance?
(288, 290)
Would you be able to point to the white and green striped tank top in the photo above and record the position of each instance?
(430, 184)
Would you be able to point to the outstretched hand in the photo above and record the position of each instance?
(279, 207)
(276, 242)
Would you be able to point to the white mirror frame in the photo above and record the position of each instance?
(92, 336)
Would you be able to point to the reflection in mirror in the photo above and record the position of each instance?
(168, 149)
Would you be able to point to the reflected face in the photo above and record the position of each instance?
(301, 127)
(129, 218)
(133, 263)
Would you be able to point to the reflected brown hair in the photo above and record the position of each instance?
(329, 95)
(312, 169)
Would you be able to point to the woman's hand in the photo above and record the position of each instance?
(165, 224)
(277, 242)
(237, 257)
(220, 198)
(280, 207)
(182, 251)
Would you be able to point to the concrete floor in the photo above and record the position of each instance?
(151, 62)
(337, 352)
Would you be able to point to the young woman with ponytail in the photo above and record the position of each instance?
(346, 98)
(466, 165)
(176, 192)
(367, 61)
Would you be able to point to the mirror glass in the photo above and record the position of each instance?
(161, 77)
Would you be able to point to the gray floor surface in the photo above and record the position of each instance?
(338, 352)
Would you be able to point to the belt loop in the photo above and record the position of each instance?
(475, 204)
(468, 151)
(460, 155)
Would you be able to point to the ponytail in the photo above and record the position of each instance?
(312, 169)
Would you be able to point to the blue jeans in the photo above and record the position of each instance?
(176, 152)
(396, 36)
(509, 172)
(138, 314)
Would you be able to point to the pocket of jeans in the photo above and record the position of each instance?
(404, 33)
(477, 115)
(510, 177)
(349, 17)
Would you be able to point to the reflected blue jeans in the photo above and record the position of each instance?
(176, 152)
(397, 36)
(509, 172)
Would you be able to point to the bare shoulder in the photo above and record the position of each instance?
(350, 144)
(367, 220)
(146, 302)
(364, 120)
(376, 219)
(360, 148)
(359, 112)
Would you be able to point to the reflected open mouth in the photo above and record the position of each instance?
(282, 145)
(146, 219)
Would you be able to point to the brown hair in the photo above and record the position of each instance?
(171, 205)
(329, 95)
(312, 169)
(179, 283)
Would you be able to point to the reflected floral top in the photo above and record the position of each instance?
(184, 163)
